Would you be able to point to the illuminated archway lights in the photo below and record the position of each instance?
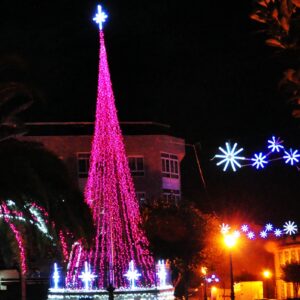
(231, 157)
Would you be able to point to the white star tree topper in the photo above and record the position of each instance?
(100, 17)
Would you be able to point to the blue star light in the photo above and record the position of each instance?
(275, 144)
(251, 235)
(269, 227)
(230, 157)
(100, 17)
(263, 234)
(259, 160)
(291, 157)
(290, 228)
(277, 232)
(245, 228)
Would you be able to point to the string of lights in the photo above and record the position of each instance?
(231, 156)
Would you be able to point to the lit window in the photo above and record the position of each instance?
(171, 195)
(136, 165)
(169, 165)
(83, 164)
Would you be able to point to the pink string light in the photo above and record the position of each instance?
(111, 196)
(18, 237)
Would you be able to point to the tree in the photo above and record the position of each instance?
(178, 233)
(291, 273)
(280, 19)
(16, 95)
(33, 175)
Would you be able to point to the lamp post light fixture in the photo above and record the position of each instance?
(230, 241)
(267, 274)
(204, 272)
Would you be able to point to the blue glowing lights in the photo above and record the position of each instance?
(100, 17)
(275, 144)
(290, 228)
(259, 160)
(291, 157)
(267, 231)
(230, 157)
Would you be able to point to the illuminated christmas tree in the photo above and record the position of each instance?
(111, 196)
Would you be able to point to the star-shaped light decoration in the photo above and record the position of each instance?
(290, 228)
(132, 275)
(250, 235)
(162, 273)
(230, 157)
(224, 228)
(263, 234)
(269, 227)
(291, 157)
(87, 276)
(236, 234)
(275, 144)
(245, 228)
(259, 160)
(278, 232)
(100, 17)
(55, 277)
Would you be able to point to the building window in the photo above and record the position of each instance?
(141, 197)
(169, 165)
(171, 195)
(136, 165)
(83, 164)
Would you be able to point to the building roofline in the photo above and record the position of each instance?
(91, 123)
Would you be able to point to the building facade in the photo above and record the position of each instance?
(288, 251)
(154, 156)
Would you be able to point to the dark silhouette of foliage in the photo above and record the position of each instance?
(291, 273)
(281, 25)
(30, 173)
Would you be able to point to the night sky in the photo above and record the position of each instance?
(200, 66)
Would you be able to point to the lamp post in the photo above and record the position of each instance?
(267, 274)
(204, 272)
(230, 241)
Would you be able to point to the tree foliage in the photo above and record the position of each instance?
(281, 24)
(179, 233)
(30, 173)
(291, 273)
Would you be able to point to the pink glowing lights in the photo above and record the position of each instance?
(110, 195)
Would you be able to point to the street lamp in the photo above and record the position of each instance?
(267, 274)
(230, 241)
(204, 272)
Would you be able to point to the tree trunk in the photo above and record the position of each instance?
(23, 286)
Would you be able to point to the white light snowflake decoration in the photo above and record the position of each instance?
(263, 234)
(230, 157)
(291, 157)
(259, 160)
(277, 232)
(290, 228)
(245, 228)
(225, 228)
(251, 235)
(269, 227)
(275, 144)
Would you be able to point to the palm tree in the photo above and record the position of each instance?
(281, 25)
